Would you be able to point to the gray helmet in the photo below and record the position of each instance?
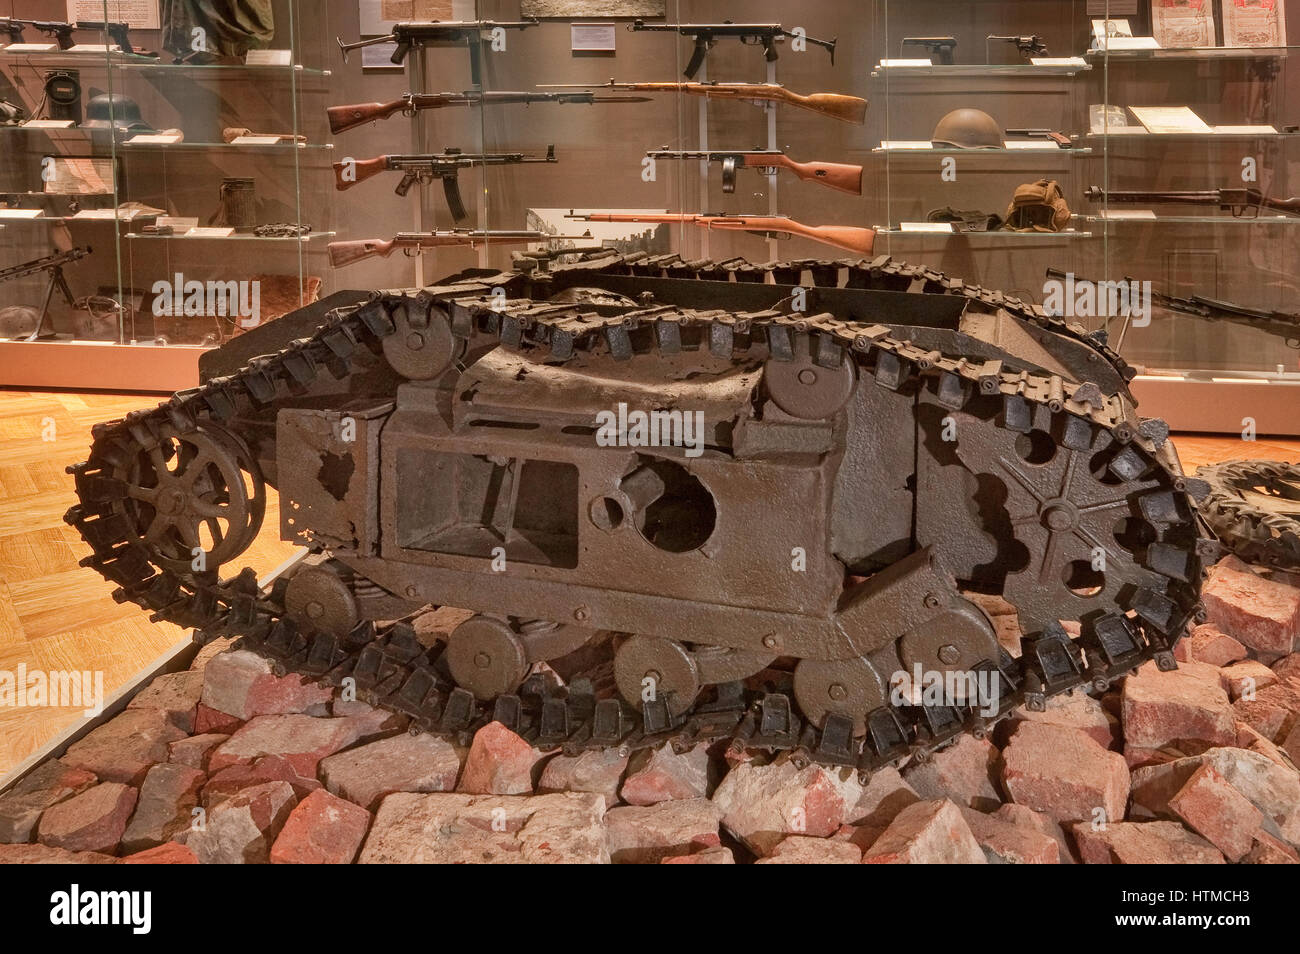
(122, 112)
(968, 128)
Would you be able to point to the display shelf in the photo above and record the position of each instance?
(278, 147)
(894, 232)
(1037, 152)
(1270, 220)
(1195, 54)
(965, 70)
(1114, 137)
(118, 60)
(296, 239)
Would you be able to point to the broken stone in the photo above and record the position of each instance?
(802, 850)
(241, 829)
(210, 720)
(242, 684)
(176, 694)
(455, 828)
(964, 772)
(715, 855)
(761, 804)
(371, 722)
(163, 810)
(1268, 850)
(124, 747)
(269, 768)
(45, 855)
(48, 784)
(1262, 614)
(1218, 812)
(1248, 738)
(1164, 708)
(210, 650)
(1291, 744)
(662, 775)
(400, 763)
(931, 832)
(1248, 677)
(301, 740)
(1145, 843)
(322, 830)
(1064, 773)
(1004, 842)
(597, 770)
(91, 821)
(500, 763)
(170, 853)
(638, 834)
(1209, 644)
(1274, 790)
(1288, 667)
(1024, 817)
(195, 750)
(883, 797)
(1076, 711)
(1273, 711)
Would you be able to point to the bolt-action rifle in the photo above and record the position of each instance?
(850, 238)
(750, 34)
(939, 46)
(53, 264)
(1029, 46)
(58, 30)
(1285, 325)
(412, 243)
(421, 168)
(1242, 203)
(358, 114)
(470, 32)
(845, 178)
(849, 109)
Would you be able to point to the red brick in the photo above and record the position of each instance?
(48, 784)
(761, 804)
(1209, 644)
(269, 768)
(964, 772)
(167, 797)
(211, 721)
(802, 850)
(242, 684)
(932, 832)
(92, 821)
(322, 830)
(195, 750)
(1248, 677)
(1218, 812)
(400, 763)
(168, 853)
(500, 763)
(1262, 614)
(242, 828)
(646, 834)
(176, 694)
(663, 775)
(1064, 773)
(1006, 843)
(1147, 843)
(1166, 708)
(1076, 711)
(124, 748)
(301, 740)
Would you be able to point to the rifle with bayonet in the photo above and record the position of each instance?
(750, 34)
(57, 30)
(412, 33)
(422, 168)
(1236, 201)
(845, 178)
(1285, 325)
(850, 238)
(413, 243)
(849, 109)
(1029, 46)
(53, 264)
(348, 117)
(120, 33)
(940, 46)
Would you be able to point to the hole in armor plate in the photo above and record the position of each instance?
(683, 517)
(1081, 579)
(1036, 447)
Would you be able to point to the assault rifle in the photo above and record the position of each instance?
(348, 117)
(412, 243)
(1237, 201)
(849, 109)
(470, 32)
(59, 31)
(1285, 325)
(852, 239)
(1028, 46)
(845, 178)
(419, 168)
(53, 264)
(750, 34)
(119, 32)
(940, 46)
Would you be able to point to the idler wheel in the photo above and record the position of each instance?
(486, 657)
(421, 346)
(648, 668)
(317, 600)
(806, 390)
(847, 687)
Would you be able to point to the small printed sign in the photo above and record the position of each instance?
(591, 37)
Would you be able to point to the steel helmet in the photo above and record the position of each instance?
(125, 113)
(968, 128)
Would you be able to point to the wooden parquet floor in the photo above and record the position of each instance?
(55, 615)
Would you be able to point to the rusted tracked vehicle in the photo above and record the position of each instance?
(863, 466)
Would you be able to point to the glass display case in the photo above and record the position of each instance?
(164, 187)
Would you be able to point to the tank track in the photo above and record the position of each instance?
(1255, 531)
(393, 670)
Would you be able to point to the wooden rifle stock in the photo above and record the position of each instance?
(850, 238)
(362, 169)
(345, 253)
(849, 109)
(343, 118)
(836, 175)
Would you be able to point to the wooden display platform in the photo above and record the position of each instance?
(99, 366)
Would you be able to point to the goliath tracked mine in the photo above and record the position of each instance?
(877, 451)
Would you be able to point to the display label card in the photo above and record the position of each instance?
(1076, 61)
(944, 227)
(257, 140)
(380, 57)
(138, 14)
(1030, 144)
(269, 58)
(31, 48)
(156, 139)
(591, 37)
(1140, 214)
(1170, 120)
(209, 233)
(1245, 130)
(909, 63)
(103, 214)
(180, 223)
(49, 123)
(99, 49)
(906, 144)
(1121, 43)
(21, 213)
